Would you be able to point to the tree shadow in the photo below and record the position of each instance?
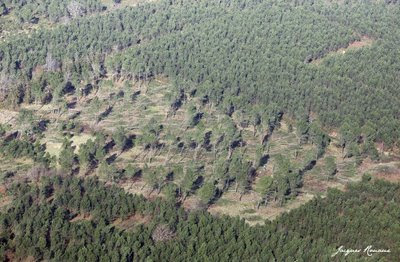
(170, 176)
(87, 89)
(69, 88)
(74, 115)
(135, 95)
(42, 125)
(308, 167)
(111, 159)
(71, 105)
(109, 146)
(129, 143)
(198, 183)
(264, 160)
(106, 113)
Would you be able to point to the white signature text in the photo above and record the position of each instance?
(369, 251)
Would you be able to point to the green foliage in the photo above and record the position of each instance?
(171, 192)
(54, 10)
(287, 179)
(207, 192)
(66, 160)
(130, 171)
(2, 130)
(265, 187)
(187, 183)
(354, 151)
(107, 170)
(85, 155)
(3, 9)
(321, 88)
(53, 235)
(302, 128)
(330, 166)
(348, 133)
(120, 138)
(257, 68)
(319, 138)
(370, 150)
(18, 148)
(239, 171)
(154, 178)
(249, 59)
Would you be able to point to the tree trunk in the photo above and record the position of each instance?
(184, 197)
(262, 140)
(230, 152)
(196, 152)
(167, 156)
(150, 156)
(225, 185)
(215, 150)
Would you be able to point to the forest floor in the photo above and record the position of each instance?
(9, 25)
(132, 221)
(363, 42)
(8, 117)
(124, 3)
(151, 103)
(229, 204)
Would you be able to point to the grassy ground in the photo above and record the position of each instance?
(9, 26)
(54, 142)
(363, 42)
(230, 204)
(131, 222)
(17, 166)
(153, 102)
(124, 3)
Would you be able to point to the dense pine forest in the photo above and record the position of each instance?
(255, 52)
(171, 130)
(69, 219)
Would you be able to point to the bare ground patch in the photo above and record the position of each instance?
(316, 185)
(389, 171)
(5, 201)
(81, 217)
(54, 142)
(8, 117)
(132, 221)
(364, 41)
(230, 205)
(139, 187)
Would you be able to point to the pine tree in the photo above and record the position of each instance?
(84, 156)
(67, 156)
(207, 192)
(330, 166)
(120, 138)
